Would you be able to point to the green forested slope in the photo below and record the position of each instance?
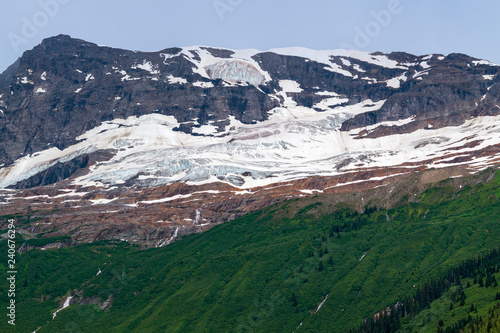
(267, 271)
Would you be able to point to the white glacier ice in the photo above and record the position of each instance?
(294, 143)
(235, 70)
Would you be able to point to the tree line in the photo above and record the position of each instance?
(481, 269)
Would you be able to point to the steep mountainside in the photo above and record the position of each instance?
(306, 265)
(107, 143)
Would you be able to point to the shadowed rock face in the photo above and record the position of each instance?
(63, 170)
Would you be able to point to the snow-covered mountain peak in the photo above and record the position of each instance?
(248, 110)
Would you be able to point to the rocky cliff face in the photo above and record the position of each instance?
(445, 94)
(206, 134)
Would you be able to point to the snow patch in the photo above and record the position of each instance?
(395, 123)
(129, 78)
(290, 86)
(205, 129)
(25, 80)
(166, 56)
(396, 82)
(483, 62)
(242, 192)
(147, 66)
(327, 93)
(125, 76)
(64, 306)
(326, 55)
(358, 68)
(102, 201)
(311, 191)
(338, 69)
(332, 102)
(172, 198)
(203, 84)
(173, 80)
(345, 62)
(418, 75)
(425, 65)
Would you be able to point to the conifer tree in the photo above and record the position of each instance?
(294, 299)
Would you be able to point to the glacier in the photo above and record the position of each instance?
(294, 143)
(235, 70)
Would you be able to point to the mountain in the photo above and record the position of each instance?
(100, 143)
(304, 265)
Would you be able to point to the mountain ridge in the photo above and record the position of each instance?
(189, 132)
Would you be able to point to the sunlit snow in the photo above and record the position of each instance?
(147, 66)
(173, 80)
(202, 84)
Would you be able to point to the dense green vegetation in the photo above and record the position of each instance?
(427, 309)
(270, 270)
